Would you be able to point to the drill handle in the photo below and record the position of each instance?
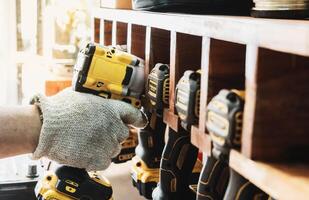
(213, 180)
(177, 163)
(242, 189)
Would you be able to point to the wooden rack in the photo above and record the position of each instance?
(269, 59)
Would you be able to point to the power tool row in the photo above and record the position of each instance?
(161, 170)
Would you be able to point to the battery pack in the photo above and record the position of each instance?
(21, 190)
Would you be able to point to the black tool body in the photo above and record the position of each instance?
(179, 155)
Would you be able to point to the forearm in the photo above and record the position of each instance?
(19, 130)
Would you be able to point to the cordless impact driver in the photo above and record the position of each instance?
(146, 163)
(224, 117)
(179, 155)
(112, 74)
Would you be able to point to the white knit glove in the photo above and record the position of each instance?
(83, 130)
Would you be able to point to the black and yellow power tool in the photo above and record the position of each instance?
(114, 74)
(109, 73)
(146, 163)
(179, 167)
(158, 88)
(68, 183)
(224, 117)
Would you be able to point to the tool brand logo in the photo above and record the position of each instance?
(100, 84)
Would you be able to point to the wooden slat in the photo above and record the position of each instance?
(171, 119)
(101, 34)
(108, 27)
(96, 32)
(201, 140)
(250, 96)
(172, 71)
(204, 83)
(129, 38)
(114, 32)
(147, 52)
(268, 33)
(281, 181)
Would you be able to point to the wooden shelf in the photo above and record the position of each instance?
(267, 58)
(268, 33)
(281, 181)
(201, 140)
(255, 55)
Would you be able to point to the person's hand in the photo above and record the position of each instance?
(83, 130)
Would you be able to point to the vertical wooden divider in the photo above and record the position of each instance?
(173, 71)
(96, 33)
(252, 52)
(129, 37)
(147, 52)
(198, 132)
(204, 83)
(102, 35)
(108, 32)
(169, 116)
(114, 32)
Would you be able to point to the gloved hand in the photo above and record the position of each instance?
(83, 130)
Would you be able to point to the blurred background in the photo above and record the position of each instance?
(39, 42)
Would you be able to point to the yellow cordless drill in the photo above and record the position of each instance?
(68, 183)
(109, 73)
(113, 74)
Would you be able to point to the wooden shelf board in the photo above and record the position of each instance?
(171, 119)
(282, 35)
(201, 140)
(281, 181)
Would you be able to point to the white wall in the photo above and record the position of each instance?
(8, 79)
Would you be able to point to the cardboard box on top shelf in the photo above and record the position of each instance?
(119, 4)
